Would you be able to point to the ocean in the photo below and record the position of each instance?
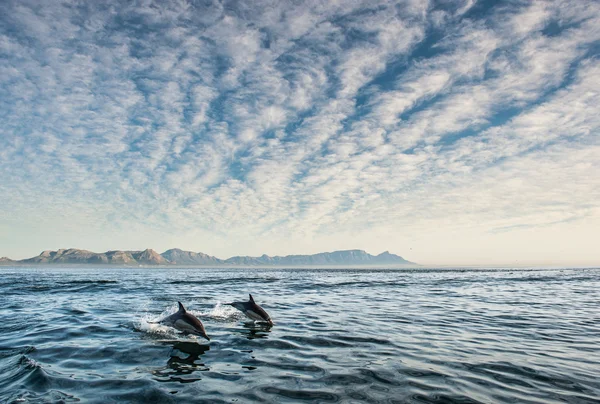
(340, 335)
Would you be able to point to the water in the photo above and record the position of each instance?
(69, 335)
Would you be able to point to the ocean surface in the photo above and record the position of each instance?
(340, 335)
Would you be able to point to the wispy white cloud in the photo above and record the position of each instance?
(295, 127)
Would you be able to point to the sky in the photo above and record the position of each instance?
(448, 132)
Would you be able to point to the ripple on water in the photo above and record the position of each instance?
(461, 336)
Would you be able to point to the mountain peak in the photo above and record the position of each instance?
(150, 257)
(341, 257)
(180, 257)
(173, 250)
(176, 256)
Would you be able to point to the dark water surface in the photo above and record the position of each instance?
(518, 336)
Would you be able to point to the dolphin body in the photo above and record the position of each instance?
(185, 322)
(252, 310)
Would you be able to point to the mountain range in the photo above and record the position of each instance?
(177, 257)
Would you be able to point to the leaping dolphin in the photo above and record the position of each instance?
(252, 310)
(185, 322)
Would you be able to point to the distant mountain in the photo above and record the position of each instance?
(76, 256)
(66, 256)
(149, 257)
(347, 257)
(120, 257)
(180, 257)
(176, 256)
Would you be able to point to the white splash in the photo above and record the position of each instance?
(148, 322)
(221, 312)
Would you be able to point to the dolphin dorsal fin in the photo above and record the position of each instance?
(251, 299)
(181, 308)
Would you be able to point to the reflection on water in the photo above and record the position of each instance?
(83, 335)
(184, 360)
(252, 330)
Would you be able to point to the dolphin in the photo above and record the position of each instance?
(252, 310)
(185, 322)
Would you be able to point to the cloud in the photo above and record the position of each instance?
(293, 127)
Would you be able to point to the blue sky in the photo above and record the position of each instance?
(449, 132)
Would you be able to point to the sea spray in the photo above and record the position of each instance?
(221, 312)
(149, 322)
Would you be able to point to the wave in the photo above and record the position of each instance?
(218, 281)
(75, 286)
(18, 369)
(86, 281)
